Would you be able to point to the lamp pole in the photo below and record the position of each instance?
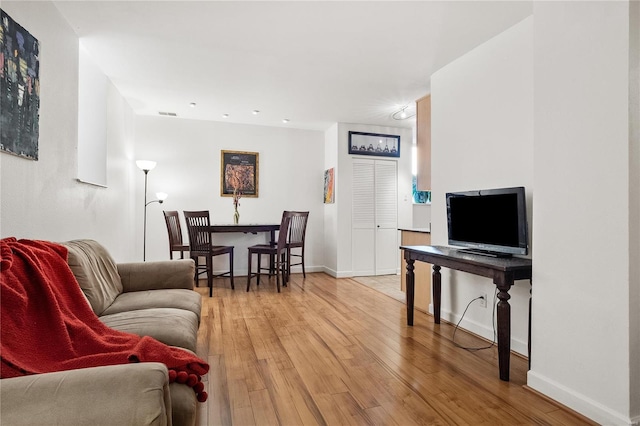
(145, 166)
(144, 232)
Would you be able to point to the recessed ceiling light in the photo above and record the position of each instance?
(255, 112)
(225, 115)
(192, 104)
(285, 120)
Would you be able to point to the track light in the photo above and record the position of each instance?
(402, 114)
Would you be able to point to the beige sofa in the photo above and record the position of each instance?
(149, 299)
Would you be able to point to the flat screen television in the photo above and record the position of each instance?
(489, 221)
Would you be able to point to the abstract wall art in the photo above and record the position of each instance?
(329, 186)
(20, 89)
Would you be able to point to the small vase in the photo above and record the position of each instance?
(236, 217)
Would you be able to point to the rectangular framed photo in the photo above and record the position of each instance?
(377, 144)
(239, 171)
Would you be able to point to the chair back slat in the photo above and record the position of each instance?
(297, 227)
(282, 233)
(198, 229)
(172, 220)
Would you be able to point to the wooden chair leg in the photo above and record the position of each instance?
(304, 274)
(278, 264)
(231, 269)
(284, 269)
(258, 270)
(249, 271)
(210, 275)
(195, 275)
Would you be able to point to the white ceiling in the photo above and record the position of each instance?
(314, 63)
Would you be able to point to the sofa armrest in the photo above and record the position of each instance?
(140, 276)
(129, 394)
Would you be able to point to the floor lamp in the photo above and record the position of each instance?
(146, 166)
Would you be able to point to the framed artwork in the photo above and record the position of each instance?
(329, 186)
(377, 144)
(239, 171)
(20, 88)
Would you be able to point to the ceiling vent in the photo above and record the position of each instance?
(168, 114)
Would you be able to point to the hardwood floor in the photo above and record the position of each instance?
(329, 351)
(385, 284)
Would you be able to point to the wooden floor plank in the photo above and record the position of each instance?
(329, 351)
(378, 416)
(263, 410)
(303, 401)
(218, 404)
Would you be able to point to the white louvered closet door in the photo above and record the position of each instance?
(374, 217)
(386, 195)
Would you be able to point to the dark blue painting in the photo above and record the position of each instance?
(19, 89)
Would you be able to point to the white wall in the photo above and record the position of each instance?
(585, 187)
(42, 199)
(421, 216)
(93, 88)
(634, 211)
(482, 137)
(331, 210)
(339, 250)
(291, 173)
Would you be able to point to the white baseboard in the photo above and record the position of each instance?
(578, 402)
(336, 274)
(308, 269)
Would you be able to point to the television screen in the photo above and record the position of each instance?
(493, 221)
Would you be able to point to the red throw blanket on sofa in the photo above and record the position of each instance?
(47, 324)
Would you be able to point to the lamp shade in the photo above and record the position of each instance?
(145, 165)
(162, 196)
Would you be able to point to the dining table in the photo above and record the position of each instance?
(250, 228)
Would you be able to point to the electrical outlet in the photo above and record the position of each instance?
(483, 300)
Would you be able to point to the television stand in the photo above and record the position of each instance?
(487, 253)
(503, 272)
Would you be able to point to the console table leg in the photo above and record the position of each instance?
(437, 292)
(504, 330)
(529, 330)
(410, 290)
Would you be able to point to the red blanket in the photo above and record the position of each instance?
(47, 324)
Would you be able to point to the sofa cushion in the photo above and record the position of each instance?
(183, 404)
(127, 394)
(168, 298)
(175, 327)
(95, 271)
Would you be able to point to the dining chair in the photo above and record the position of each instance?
(295, 239)
(201, 245)
(172, 219)
(277, 252)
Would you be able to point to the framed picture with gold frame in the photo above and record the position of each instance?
(239, 171)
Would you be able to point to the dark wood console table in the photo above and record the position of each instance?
(503, 271)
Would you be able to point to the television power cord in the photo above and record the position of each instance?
(493, 321)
